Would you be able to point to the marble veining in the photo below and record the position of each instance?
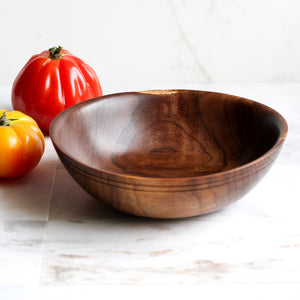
(148, 258)
(183, 39)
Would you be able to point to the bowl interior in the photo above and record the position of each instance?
(166, 133)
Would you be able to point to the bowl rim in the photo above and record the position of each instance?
(92, 171)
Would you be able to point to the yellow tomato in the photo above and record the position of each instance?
(22, 144)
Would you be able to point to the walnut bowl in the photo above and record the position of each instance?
(168, 153)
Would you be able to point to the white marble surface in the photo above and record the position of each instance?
(160, 41)
(56, 242)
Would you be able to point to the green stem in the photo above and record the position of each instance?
(4, 121)
(55, 52)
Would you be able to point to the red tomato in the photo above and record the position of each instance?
(52, 81)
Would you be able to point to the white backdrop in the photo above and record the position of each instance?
(162, 41)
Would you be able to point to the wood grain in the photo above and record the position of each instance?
(168, 153)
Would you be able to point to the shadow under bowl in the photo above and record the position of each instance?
(168, 153)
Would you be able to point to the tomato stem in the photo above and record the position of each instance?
(55, 52)
(4, 121)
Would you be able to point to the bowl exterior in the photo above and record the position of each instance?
(180, 198)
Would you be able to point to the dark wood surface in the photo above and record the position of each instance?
(168, 154)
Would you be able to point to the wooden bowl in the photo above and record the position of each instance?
(168, 153)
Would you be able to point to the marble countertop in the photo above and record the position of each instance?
(56, 242)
